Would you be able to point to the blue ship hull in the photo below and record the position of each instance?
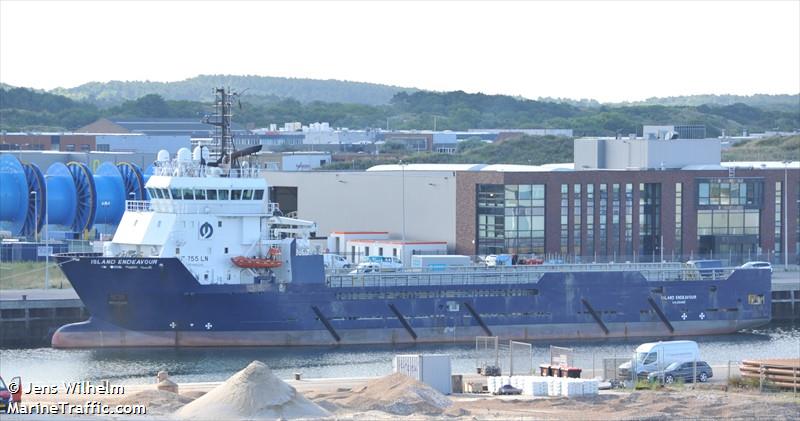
(157, 302)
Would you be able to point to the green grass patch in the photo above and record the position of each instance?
(30, 275)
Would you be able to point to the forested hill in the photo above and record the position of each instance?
(780, 102)
(261, 89)
(23, 109)
(773, 102)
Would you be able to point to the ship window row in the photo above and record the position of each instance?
(383, 295)
(206, 194)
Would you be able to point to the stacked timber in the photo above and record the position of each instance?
(778, 372)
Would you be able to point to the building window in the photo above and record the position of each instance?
(729, 232)
(589, 246)
(778, 219)
(678, 219)
(649, 221)
(576, 220)
(728, 213)
(730, 192)
(628, 219)
(510, 219)
(564, 219)
(603, 220)
(70, 147)
(615, 212)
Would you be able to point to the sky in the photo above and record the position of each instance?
(608, 51)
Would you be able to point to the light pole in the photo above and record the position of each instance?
(785, 220)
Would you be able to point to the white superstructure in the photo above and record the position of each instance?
(206, 216)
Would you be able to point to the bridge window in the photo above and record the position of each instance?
(223, 195)
(212, 194)
(176, 194)
(188, 194)
(259, 195)
(247, 194)
(199, 194)
(165, 193)
(236, 194)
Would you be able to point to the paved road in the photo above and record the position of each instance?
(38, 294)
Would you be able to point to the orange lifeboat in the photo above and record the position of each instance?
(273, 260)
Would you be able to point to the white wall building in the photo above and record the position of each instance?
(398, 248)
(418, 205)
(642, 153)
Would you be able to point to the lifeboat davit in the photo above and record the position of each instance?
(272, 261)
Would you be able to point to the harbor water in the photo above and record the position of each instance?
(129, 366)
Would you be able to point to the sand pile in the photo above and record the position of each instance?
(158, 402)
(397, 394)
(252, 393)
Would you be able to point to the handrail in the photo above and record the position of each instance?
(475, 275)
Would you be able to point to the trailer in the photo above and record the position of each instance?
(439, 262)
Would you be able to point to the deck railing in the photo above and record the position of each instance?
(478, 275)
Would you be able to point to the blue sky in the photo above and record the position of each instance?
(609, 51)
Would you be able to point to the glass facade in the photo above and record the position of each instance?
(730, 192)
(576, 212)
(603, 251)
(510, 218)
(678, 248)
(589, 247)
(564, 218)
(778, 220)
(649, 220)
(728, 216)
(615, 211)
(629, 219)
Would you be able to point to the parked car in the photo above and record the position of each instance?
(757, 265)
(5, 396)
(494, 260)
(508, 390)
(707, 268)
(655, 356)
(682, 370)
(335, 261)
(366, 267)
(386, 263)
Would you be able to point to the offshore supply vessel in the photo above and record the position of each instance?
(210, 261)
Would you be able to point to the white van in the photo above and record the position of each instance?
(654, 356)
(334, 261)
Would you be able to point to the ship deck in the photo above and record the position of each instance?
(481, 275)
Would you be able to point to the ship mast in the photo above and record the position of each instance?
(227, 155)
(222, 145)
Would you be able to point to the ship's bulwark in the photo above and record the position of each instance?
(157, 302)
